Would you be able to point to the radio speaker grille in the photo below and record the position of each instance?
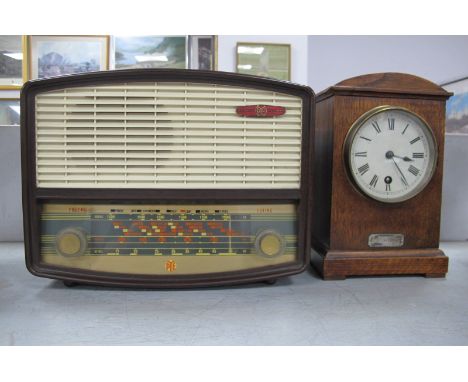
(166, 135)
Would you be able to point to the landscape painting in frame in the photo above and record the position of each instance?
(264, 59)
(150, 52)
(11, 62)
(457, 107)
(58, 55)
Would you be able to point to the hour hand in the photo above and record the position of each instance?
(406, 159)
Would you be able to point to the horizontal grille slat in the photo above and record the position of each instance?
(174, 163)
(160, 109)
(45, 135)
(171, 142)
(166, 135)
(171, 156)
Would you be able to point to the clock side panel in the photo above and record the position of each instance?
(354, 216)
(322, 162)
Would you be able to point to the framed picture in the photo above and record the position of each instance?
(266, 60)
(457, 107)
(12, 75)
(203, 52)
(9, 112)
(50, 56)
(150, 52)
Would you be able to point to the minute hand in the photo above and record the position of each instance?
(401, 173)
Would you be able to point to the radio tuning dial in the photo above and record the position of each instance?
(269, 243)
(71, 242)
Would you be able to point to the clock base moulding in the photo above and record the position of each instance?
(338, 265)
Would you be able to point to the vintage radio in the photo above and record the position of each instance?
(165, 178)
(379, 160)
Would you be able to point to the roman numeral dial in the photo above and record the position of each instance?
(413, 170)
(363, 169)
(361, 154)
(390, 154)
(376, 127)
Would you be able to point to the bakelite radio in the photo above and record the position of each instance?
(166, 178)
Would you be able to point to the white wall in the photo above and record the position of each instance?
(11, 218)
(455, 189)
(335, 58)
(437, 58)
(9, 94)
(227, 53)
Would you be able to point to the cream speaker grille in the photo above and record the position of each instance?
(166, 135)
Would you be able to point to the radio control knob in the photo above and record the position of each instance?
(71, 242)
(269, 243)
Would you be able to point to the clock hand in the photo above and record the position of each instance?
(405, 182)
(406, 159)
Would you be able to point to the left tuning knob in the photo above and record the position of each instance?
(71, 242)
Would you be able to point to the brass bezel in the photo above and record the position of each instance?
(347, 153)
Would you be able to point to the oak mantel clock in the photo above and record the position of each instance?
(378, 177)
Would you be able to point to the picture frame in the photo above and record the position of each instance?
(264, 59)
(457, 107)
(12, 56)
(9, 112)
(132, 52)
(203, 52)
(50, 56)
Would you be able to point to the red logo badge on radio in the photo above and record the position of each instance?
(260, 111)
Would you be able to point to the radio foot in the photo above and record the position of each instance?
(70, 284)
(270, 282)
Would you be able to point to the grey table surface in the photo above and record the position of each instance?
(298, 310)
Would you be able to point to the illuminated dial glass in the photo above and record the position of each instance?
(391, 154)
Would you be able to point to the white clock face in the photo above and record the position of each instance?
(391, 154)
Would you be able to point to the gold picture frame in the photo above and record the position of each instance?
(59, 63)
(24, 77)
(264, 59)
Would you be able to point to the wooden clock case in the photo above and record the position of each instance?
(344, 217)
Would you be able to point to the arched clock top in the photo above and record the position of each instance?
(399, 84)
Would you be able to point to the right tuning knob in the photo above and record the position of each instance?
(269, 243)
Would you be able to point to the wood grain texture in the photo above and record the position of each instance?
(337, 265)
(392, 81)
(387, 84)
(354, 216)
(322, 162)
